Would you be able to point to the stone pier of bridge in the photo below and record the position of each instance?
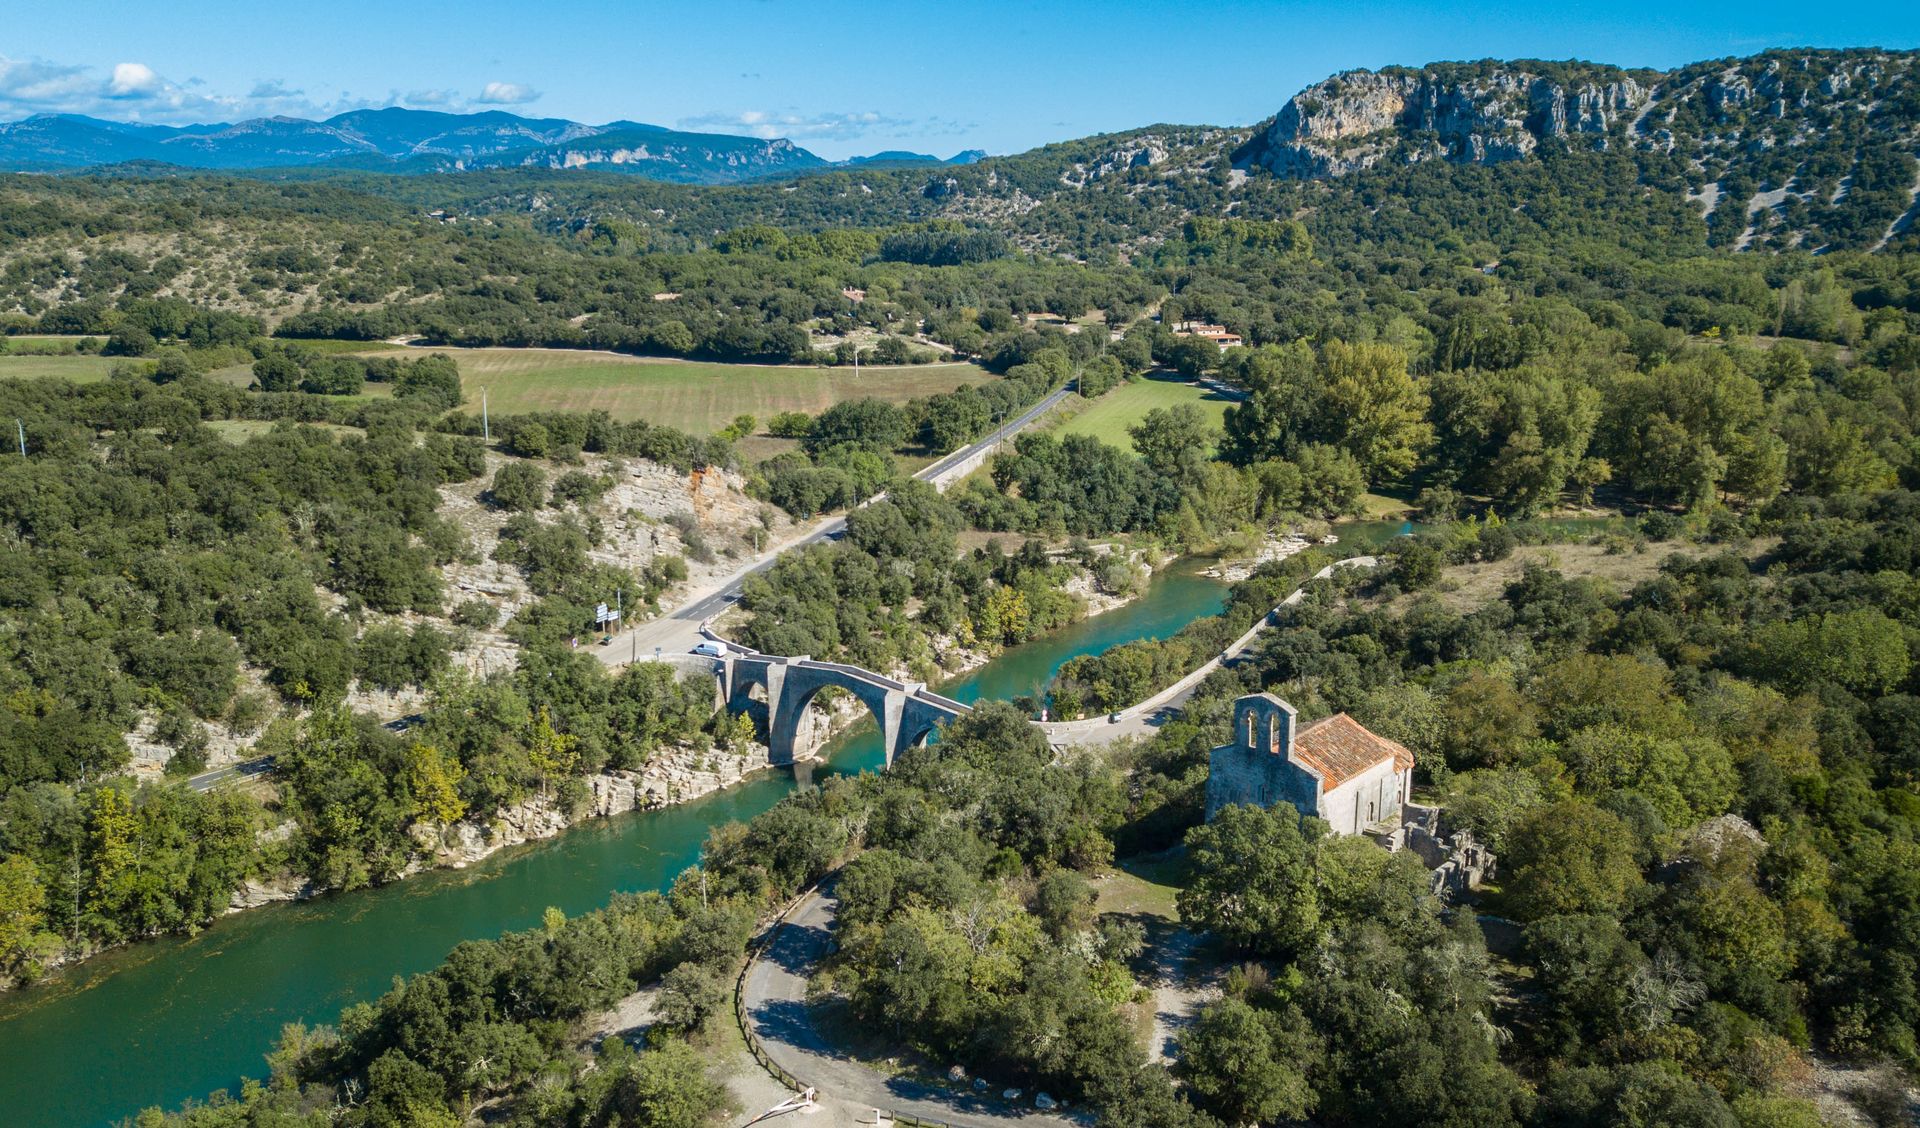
(907, 712)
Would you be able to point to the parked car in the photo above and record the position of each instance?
(1113, 718)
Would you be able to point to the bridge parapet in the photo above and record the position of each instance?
(906, 711)
(945, 702)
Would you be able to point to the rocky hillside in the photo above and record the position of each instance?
(1477, 112)
(1813, 148)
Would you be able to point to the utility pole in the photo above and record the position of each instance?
(486, 427)
(20, 429)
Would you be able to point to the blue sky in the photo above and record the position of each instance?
(840, 78)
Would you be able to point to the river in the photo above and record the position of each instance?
(158, 1023)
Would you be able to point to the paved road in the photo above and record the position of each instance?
(245, 769)
(1148, 715)
(259, 766)
(676, 631)
(679, 629)
(776, 1003)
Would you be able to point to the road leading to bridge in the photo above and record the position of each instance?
(679, 629)
(1148, 715)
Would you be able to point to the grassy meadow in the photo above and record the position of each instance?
(1108, 417)
(693, 396)
(80, 369)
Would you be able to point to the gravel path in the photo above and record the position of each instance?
(1177, 997)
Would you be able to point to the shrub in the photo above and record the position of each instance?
(474, 613)
(790, 425)
(518, 486)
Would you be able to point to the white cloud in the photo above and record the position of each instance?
(134, 80)
(271, 90)
(34, 86)
(768, 124)
(131, 90)
(137, 91)
(506, 94)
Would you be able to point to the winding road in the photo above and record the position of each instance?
(775, 996)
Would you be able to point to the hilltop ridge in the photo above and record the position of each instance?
(1788, 145)
(404, 140)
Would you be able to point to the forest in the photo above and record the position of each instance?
(1594, 736)
(1701, 780)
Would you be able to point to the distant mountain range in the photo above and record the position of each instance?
(1786, 148)
(403, 140)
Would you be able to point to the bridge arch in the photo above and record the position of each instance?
(914, 738)
(905, 712)
(785, 732)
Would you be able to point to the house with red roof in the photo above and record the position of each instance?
(1220, 335)
(1333, 768)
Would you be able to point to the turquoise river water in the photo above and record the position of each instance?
(157, 1023)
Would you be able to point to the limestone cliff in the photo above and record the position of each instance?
(1484, 113)
(1720, 114)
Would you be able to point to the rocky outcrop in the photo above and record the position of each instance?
(673, 776)
(1144, 153)
(1481, 114)
(254, 893)
(1717, 112)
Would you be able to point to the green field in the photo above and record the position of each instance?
(692, 396)
(1108, 417)
(696, 397)
(80, 368)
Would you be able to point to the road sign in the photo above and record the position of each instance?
(600, 613)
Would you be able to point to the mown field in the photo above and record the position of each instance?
(694, 396)
(1108, 417)
(78, 368)
(690, 395)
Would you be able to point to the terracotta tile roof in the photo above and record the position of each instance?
(1339, 748)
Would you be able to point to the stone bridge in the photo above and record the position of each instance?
(907, 712)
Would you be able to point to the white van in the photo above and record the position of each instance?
(709, 649)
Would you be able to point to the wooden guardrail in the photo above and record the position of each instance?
(740, 996)
(759, 1052)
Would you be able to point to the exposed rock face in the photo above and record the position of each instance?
(1143, 149)
(1481, 114)
(1716, 113)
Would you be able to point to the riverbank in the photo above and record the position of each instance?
(1098, 596)
(672, 777)
(163, 1021)
(679, 775)
(1272, 550)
